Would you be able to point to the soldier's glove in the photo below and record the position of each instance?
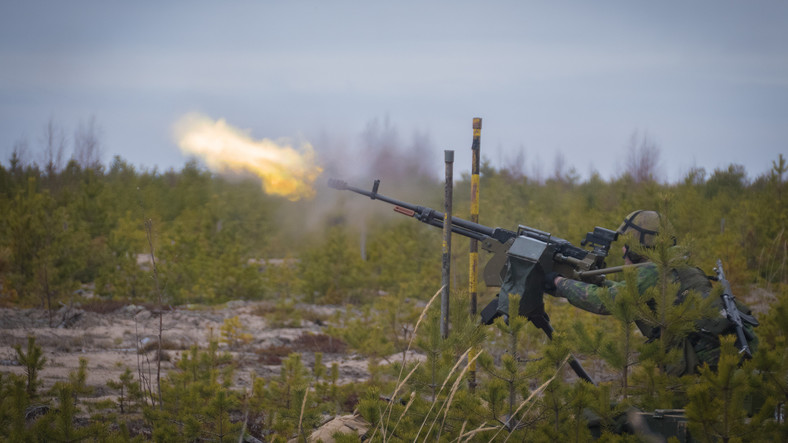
(549, 282)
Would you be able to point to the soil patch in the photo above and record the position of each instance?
(112, 341)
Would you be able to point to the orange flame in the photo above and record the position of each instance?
(284, 170)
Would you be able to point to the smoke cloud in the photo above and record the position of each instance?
(285, 170)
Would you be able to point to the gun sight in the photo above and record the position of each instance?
(600, 239)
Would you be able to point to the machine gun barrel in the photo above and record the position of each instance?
(428, 215)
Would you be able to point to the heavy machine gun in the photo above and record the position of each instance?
(554, 254)
(520, 259)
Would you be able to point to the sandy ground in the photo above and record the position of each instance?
(110, 342)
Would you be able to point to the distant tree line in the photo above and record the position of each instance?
(83, 227)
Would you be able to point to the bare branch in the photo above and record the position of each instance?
(53, 142)
(642, 160)
(87, 144)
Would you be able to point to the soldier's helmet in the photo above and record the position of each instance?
(643, 225)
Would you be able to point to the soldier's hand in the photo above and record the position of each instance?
(549, 282)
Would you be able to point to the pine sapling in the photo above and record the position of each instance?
(33, 361)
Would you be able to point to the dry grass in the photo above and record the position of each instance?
(153, 345)
(319, 343)
(272, 355)
(100, 306)
(400, 381)
(281, 315)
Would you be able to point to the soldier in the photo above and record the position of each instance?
(700, 346)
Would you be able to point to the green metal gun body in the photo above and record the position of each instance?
(732, 311)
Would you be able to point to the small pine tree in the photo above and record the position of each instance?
(325, 384)
(234, 333)
(13, 405)
(217, 414)
(616, 345)
(511, 381)
(286, 395)
(78, 380)
(197, 398)
(771, 360)
(717, 403)
(561, 404)
(129, 393)
(33, 360)
(364, 334)
(63, 428)
(60, 424)
(436, 368)
(438, 393)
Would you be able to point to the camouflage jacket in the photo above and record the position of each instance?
(586, 295)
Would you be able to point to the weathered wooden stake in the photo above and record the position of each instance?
(447, 205)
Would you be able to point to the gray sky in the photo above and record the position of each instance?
(707, 80)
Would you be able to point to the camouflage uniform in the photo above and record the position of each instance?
(586, 295)
(700, 346)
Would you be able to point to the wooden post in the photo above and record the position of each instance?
(447, 205)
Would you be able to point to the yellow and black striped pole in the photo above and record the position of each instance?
(474, 257)
(474, 254)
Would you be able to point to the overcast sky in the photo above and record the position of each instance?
(706, 80)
